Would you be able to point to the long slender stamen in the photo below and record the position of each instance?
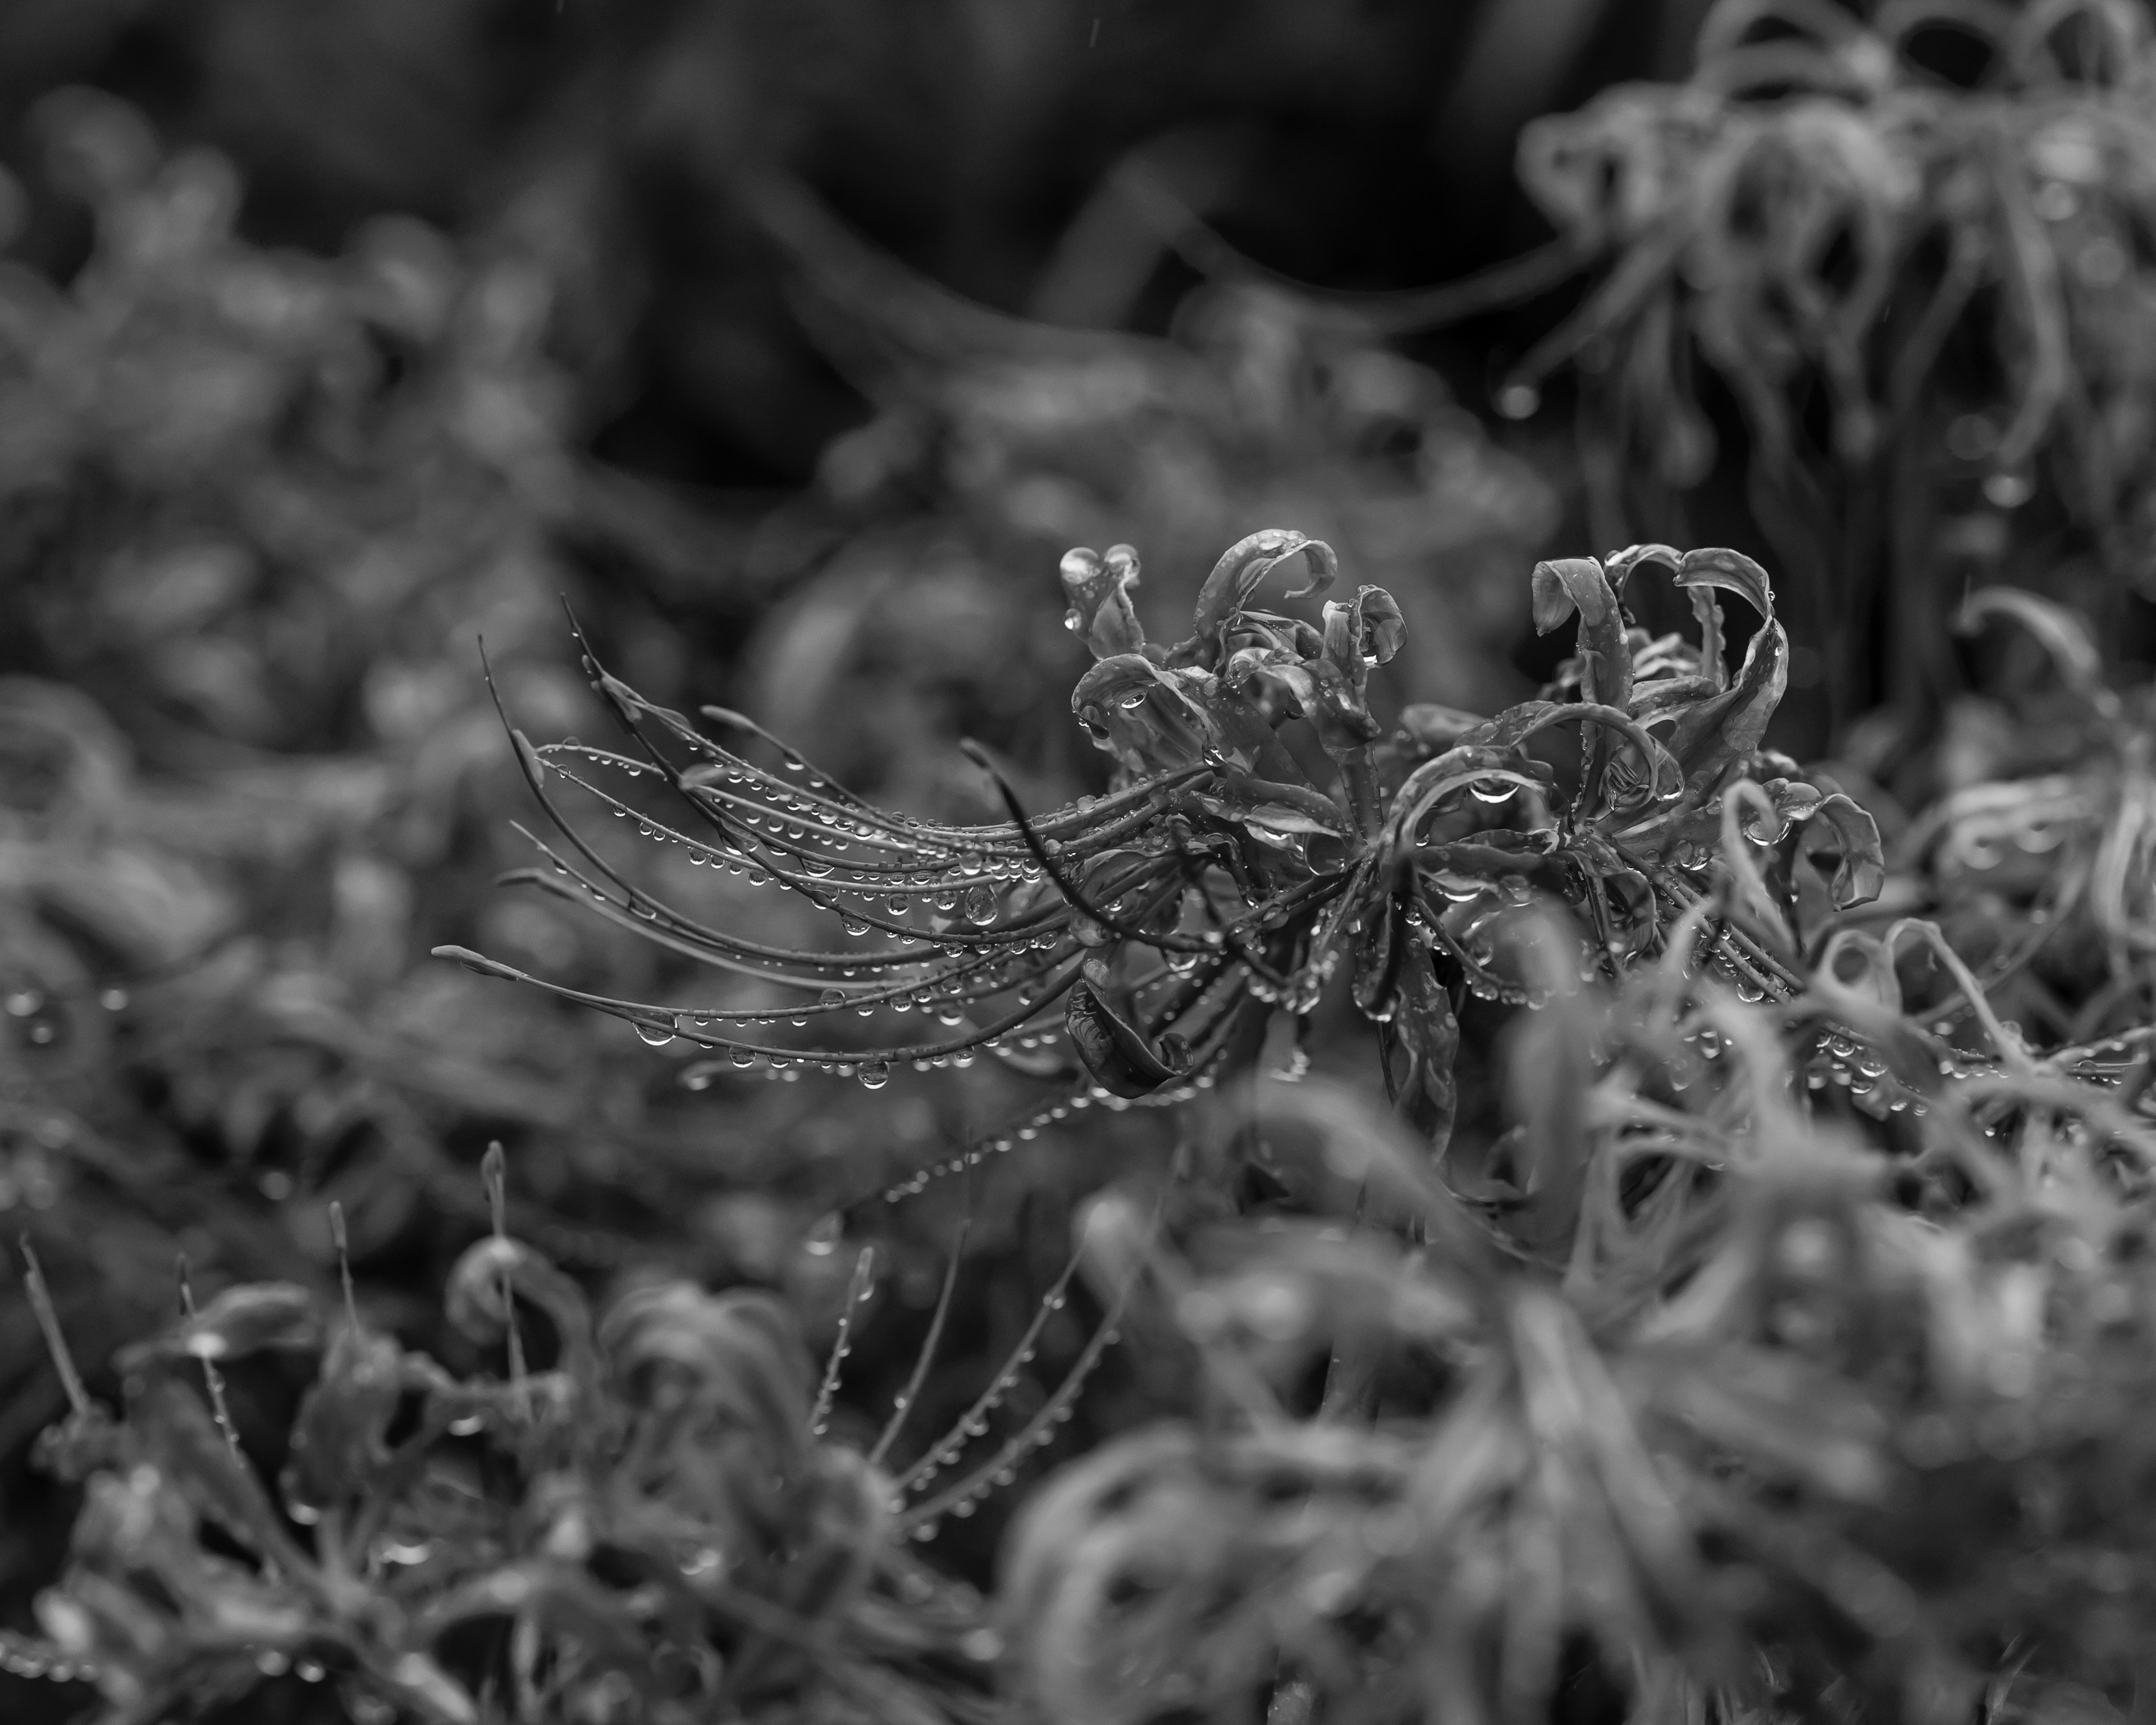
(902, 1405)
(212, 1379)
(49, 1322)
(494, 1176)
(857, 1292)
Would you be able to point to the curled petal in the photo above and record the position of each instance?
(1860, 864)
(1114, 1050)
(1099, 589)
(2057, 630)
(1236, 576)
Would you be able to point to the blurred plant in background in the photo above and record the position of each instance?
(263, 508)
(998, 442)
(1908, 248)
(1737, 1315)
(646, 1528)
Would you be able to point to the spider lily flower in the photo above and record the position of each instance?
(1228, 873)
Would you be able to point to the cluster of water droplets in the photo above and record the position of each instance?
(961, 919)
(858, 1290)
(920, 1511)
(38, 1014)
(25, 1657)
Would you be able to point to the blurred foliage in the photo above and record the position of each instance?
(1737, 1312)
(650, 1513)
(997, 444)
(1909, 246)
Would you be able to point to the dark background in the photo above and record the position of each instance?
(1362, 145)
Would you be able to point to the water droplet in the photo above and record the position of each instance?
(2009, 490)
(874, 1074)
(979, 905)
(654, 1035)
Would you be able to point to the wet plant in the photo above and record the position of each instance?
(631, 1517)
(1690, 1419)
(2037, 856)
(1263, 832)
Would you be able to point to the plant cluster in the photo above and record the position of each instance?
(1766, 1350)
(647, 1527)
(260, 504)
(1636, 1392)
(1262, 829)
(1738, 1313)
(1912, 247)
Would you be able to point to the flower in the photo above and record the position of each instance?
(1262, 828)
